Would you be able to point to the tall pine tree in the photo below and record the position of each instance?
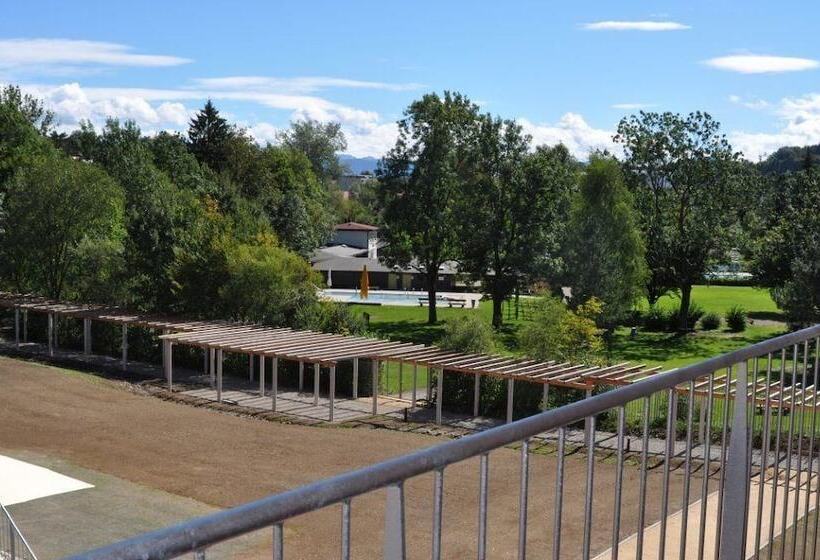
(208, 136)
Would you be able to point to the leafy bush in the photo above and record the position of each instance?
(658, 319)
(468, 334)
(710, 321)
(736, 318)
(692, 317)
(556, 332)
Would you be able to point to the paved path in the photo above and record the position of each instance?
(627, 549)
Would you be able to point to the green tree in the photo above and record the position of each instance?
(296, 203)
(557, 333)
(604, 248)
(31, 108)
(513, 209)
(421, 180)
(53, 207)
(685, 178)
(321, 143)
(21, 139)
(208, 136)
(786, 258)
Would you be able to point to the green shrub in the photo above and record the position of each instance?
(468, 334)
(736, 318)
(710, 321)
(657, 319)
(692, 317)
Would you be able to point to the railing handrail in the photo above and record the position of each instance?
(16, 530)
(203, 532)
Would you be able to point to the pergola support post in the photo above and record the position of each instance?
(510, 393)
(401, 367)
(124, 346)
(439, 394)
(56, 331)
(355, 378)
(274, 382)
(219, 375)
(415, 382)
(204, 361)
(375, 381)
(86, 336)
(17, 327)
(301, 385)
(25, 325)
(316, 371)
(50, 334)
(212, 366)
(168, 355)
(545, 396)
(261, 375)
(476, 394)
(250, 368)
(429, 385)
(332, 391)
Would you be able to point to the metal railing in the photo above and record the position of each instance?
(766, 489)
(13, 545)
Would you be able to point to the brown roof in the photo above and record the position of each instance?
(355, 226)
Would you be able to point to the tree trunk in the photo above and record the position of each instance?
(432, 281)
(685, 299)
(498, 311)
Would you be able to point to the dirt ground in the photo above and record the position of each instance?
(223, 461)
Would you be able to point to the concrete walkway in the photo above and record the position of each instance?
(627, 549)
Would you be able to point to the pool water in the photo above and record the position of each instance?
(407, 298)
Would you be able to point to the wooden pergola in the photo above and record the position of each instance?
(325, 351)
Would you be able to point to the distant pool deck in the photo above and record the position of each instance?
(468, 300)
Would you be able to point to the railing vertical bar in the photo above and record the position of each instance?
(776, 474)
(278, 542)
(810, 454)
(522, 499)
(750, 423)
(817, 490)
(798, 483)
(707, 463)
(690, 405)
(345, 530)
(619, 477)
(733, 512)
(438, 506)
(482, 506)
(766, 439)
(559, 495)
(671, 428)
(590, 487)
(642, 485)
(722, 461)
(788, 479)
(394, 531)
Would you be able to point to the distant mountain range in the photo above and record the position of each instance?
(358, 166)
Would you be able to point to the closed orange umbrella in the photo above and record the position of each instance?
(364, 283)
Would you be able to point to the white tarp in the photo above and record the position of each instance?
(22, 482)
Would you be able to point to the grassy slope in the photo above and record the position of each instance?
(664, 349)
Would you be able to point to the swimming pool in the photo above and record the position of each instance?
(407, 298)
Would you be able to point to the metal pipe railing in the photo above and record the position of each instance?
(198, 534)
(13, 545)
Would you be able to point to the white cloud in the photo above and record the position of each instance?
(761, 64)
(635, 26)
(754, 104)
(800, 118)
(304, 84)
(37, 53)
(572, 131)
(632, 106)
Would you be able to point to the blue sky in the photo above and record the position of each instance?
(567, 72)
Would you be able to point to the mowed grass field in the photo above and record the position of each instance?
(668, 350)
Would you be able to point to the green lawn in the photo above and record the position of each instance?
(652, 348)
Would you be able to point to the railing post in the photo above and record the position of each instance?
(732, 537)
(394, 542)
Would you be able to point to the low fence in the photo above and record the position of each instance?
(13, 545)
(754, 497)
